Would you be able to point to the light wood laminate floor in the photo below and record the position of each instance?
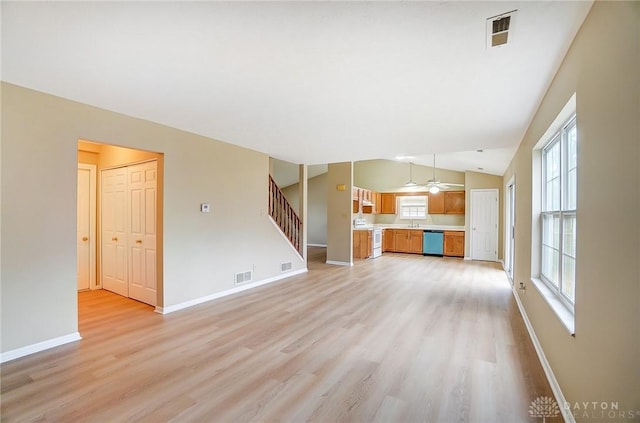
(401, 338)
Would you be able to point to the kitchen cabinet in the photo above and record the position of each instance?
(415, 242)
(362, 246)
(454, 202)
(403, 241)
(436, 203)
(454, 243)
(377, 202)
(365, 201)
(388, 203)
(446, 202)
(388, 242)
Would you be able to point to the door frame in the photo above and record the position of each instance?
(471, 243)
(94, 281)
(510, 226)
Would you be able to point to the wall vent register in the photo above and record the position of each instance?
(243, 277)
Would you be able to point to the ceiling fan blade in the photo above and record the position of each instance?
(449, 184)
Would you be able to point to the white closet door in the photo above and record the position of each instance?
(114, 238)
(484, 224)
(141, 225)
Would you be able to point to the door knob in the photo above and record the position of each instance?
(84, 238)
(115, 238)
(138, 241)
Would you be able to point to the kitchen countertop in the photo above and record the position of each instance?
(405, 226)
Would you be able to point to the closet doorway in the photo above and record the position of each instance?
(128, 246)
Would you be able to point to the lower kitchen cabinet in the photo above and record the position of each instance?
(415, 242)
(402, 241)
(454, 243)
(388, 242)
(362, 244)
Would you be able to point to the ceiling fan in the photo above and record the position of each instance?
(433, 185)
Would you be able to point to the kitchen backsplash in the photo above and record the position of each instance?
(432, 219)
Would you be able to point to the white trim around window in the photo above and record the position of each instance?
(554, 215)
(558, 213)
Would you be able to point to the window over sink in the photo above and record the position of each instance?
(412, 206)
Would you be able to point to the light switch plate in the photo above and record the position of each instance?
(204, 208)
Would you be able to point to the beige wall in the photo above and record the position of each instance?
(339, 205)
(316, 207)
(390, 176)
(602, 361)
(202, 252)
(476, 180)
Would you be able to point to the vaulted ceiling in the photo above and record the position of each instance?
(306, 82)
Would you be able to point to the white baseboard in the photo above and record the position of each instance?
(339, 263)
(40, 346)
(316, 245)
(555, 386)
(191, 303)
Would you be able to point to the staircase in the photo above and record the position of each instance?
(283, 214)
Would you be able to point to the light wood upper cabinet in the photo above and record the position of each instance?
(454, 202)
(446, 202)
(366, 201)
(388, 203)
(377, 202)
(436, 203)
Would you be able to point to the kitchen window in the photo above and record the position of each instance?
(412, 206)
(558, 212)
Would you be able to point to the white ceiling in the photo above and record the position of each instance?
(306, 82)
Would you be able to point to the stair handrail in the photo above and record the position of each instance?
(284, 215)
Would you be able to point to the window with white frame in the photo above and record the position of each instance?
(558, 212)
(412, 206)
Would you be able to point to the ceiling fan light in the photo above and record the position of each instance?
(410, 182)
(434, 190)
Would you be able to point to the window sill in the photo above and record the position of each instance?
(565, 315)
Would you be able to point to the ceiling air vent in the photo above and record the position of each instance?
(500, 29)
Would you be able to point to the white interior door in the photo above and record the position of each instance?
(141, 225)
(510, 237)
(114, 240)
(85, 230)
(484, 224)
